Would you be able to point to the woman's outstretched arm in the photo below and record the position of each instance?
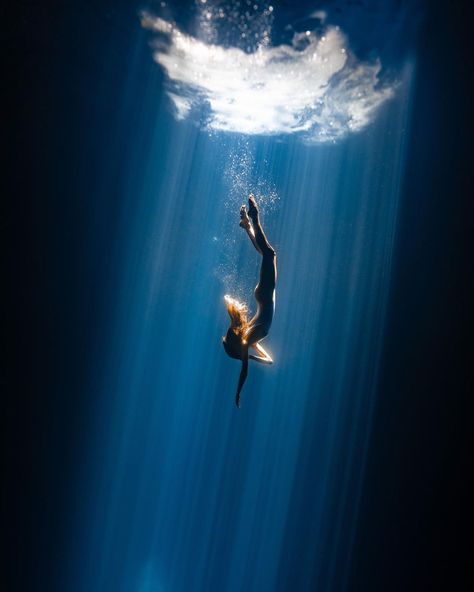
(264, 357)
(243, 374)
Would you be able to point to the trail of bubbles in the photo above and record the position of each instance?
(242, 175)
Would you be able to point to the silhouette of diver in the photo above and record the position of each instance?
(243, 334)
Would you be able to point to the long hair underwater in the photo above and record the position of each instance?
(238, 326)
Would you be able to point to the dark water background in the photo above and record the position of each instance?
(128, 467)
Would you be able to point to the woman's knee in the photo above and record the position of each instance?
(269, 251)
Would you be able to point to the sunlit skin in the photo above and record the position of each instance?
(246, 337)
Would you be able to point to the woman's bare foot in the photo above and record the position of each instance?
(244, 219)
(253, 208)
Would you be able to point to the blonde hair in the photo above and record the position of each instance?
(238, 316)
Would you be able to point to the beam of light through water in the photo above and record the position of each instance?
(184, 492)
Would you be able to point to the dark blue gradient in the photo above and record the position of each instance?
(176, 489)
(130, 469)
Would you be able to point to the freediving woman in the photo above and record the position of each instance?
(242, 334)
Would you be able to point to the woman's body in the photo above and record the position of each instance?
(242, 334)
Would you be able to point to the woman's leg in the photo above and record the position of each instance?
(254, 229)
(261, 241)
(265, 289)
(266, 285)
(247, 226)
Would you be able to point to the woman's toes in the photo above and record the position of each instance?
(244, 219)
(253, 209)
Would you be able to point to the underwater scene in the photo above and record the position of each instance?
(232, 327)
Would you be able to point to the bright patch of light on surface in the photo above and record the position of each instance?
(314, 87)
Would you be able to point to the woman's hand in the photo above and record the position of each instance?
(243, 373)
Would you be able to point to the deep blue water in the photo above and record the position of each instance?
(176, 489)
(128, 466)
